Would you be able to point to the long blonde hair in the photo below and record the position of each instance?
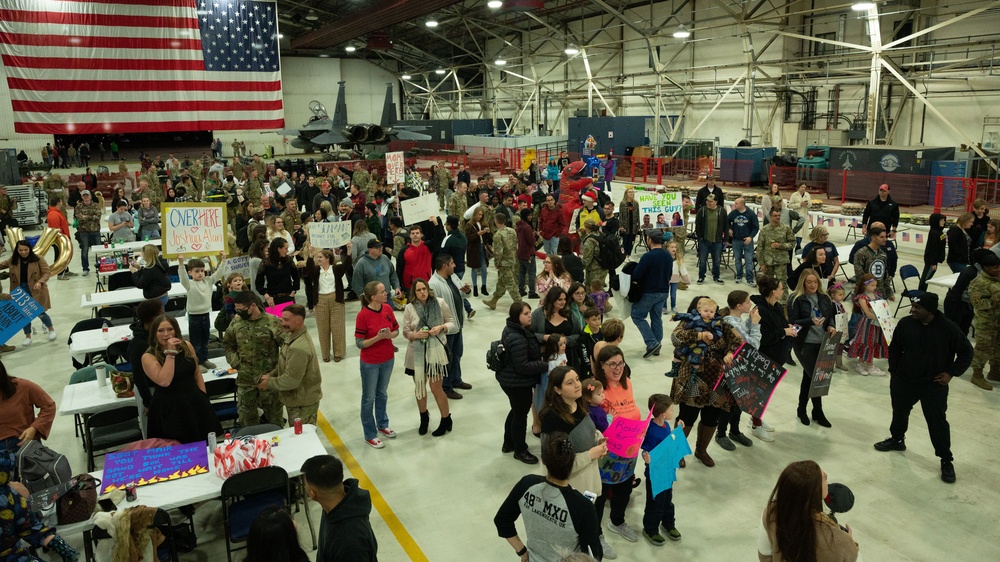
(800, 286)
(151, 255)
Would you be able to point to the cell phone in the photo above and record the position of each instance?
(590, 496)
(107, 505)
(797, 328)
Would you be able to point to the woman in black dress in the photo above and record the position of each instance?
(277, 279)
(180, 409)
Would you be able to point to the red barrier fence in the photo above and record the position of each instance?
(656, 170)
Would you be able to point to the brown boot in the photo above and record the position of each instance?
(979, 380)
(687, 431)
(705, 434)
(840, 363)
(492, 304)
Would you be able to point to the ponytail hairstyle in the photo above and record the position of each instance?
(371, 288)
(558, 455)
(734, 299)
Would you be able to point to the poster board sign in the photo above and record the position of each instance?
(193, 229)
(625, 436)
(574, 220)
(752, 378)
(419, 209)
(663, 461)
(841, 322)
(670, 205)
(239, 264)
(17, 312)
(826, 361)
(149, 466)
(276, 309)
(885, 319)
(329, 234)
(395, 168)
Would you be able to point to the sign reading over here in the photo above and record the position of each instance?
(193, 229)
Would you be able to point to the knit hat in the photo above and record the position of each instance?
(347, 201)
(927, 300)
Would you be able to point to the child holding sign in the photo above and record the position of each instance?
(199, 304)
(869, 342)
(659, 508)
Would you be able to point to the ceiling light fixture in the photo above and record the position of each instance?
(494, 4)
(682, 32)
(311, 16)
(406, 77)
(439, 71)
(324, 56)
(431, 23)
(350, 48)
(499, 62)
(572, 51)
(281, 36)
(862, 6)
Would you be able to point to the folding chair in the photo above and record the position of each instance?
(118, 314)
(245, 495)
(110, 429)
(907, 272)
(120, 280)
(222, 395)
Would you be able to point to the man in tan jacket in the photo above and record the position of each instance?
(296, 378)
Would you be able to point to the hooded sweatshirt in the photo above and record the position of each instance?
(345, 534)
(934, 251)
(919, 352)
(136, 347)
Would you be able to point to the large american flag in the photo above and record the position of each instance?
(117, 66)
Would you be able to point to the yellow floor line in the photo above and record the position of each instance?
(381, 506)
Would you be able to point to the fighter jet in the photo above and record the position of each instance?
(321, 132)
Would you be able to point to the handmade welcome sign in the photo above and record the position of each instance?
(149, 466)
(826, 362)
(17, 312)
(193, 229)
(625, 436)
(752, 379)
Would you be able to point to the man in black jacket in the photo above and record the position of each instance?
(926, 352)
(710, 189)
(345, 533)
(881, 209)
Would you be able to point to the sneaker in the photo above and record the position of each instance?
(876, 372)
(652, 351)
(719, 281)
(766, 426)
(725, 443)
(63, 276)
(761, 433)
(208, 364)
(624, 530)
(387, 432)
(701, 281)
(609, 552)
(947, 472)
(738, 281)
(27, 342)
(375, 443)
(86, 272)
(741, 439)
(52, 335)
(862, 369)
(656, 539)
(891, 444)
(672, 533)
(472, 313)
(750, 282)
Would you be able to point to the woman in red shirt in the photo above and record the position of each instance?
(374, 329)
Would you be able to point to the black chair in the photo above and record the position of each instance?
(245, 495)
(257, 429)
(81, 326)
(175, 304)
(118, 314)
(120, 280)
(117, 356)
(907, 272)
(172, 273)
(222, 394)
(110, 429)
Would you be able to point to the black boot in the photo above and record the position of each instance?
(425, 420)
(817, 413)
(475, 291)
(801, 412)
(445, 427)
(483, 291)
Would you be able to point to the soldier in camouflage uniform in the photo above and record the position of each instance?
(363, 180)
(505, 258)
(88, 215)
(252, 342)
(458, 203)
(291, 215)
(254, 187)
(984, 294)
(144, 190)
(443, 178)
(237, 169)
(590, 248)
(54, 185)
(260, 166)
(236, 148)
(775, 241)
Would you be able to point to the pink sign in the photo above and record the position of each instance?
(625, 436)
(276, 309)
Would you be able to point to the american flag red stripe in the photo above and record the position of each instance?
(75, 66)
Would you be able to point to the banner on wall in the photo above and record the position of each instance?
(666, 206)
(193, 229)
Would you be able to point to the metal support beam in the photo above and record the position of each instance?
(722, 98)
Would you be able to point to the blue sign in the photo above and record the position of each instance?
(17, 313)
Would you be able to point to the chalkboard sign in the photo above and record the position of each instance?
(752, 378)
(825, 363)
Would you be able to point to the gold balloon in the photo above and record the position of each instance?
(50, 237)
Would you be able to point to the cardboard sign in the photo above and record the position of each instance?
(419, 209)
(670, 205)
(752, 379)
(149, 466)
(664, 458)
(885, 319)
(395, 165)
(574, 220)
(193, 229)
(841, 322)
(825, 363)
(276, 309)
(239, 264)
(625, 436)
(17, 313)
(615, 469)
(329, 234)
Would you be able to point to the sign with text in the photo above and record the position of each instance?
(670, 205)
(615, 469)
(239, 264)
(193, 229)
(625, 436)
(418, 209)
(149, 466)
(329, 234)
(885, 319)
(826, 361)
(752, 379)
(395, 168)
(17, 312)
(841, 321)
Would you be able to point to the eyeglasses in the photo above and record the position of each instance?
(615, 365)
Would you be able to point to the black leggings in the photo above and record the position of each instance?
(619, 495)
(517, 419)
(709, 415)
(807, 354)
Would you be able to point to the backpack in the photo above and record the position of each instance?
(609, 254)
(496, 356)
(40, 467)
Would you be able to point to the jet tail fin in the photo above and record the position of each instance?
(388, 109)
(340, 112)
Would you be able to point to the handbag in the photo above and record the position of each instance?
(122, 384)
(242, 454)
(78, 502)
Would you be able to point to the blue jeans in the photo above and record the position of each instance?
(46, 321)
(88, 239)
(199, 330)
(456, 348)
(651, 304)
(743, 252)
(481, 269)
(957, 267)
(704, 247)
(526, 275)
(673, 296)
(550, 246)
(374, 386)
